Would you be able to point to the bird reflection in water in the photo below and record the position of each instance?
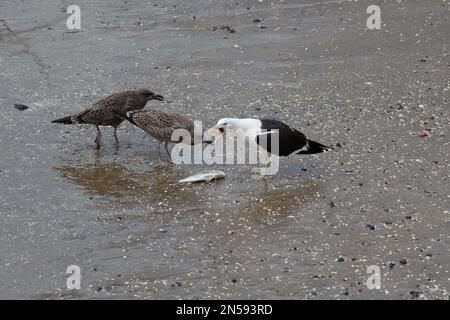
(116, 180)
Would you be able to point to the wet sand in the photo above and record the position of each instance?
(310, 232)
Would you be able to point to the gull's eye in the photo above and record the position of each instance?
(222, 130)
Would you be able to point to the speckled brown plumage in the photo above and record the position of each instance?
(161, 125)
(104, 112)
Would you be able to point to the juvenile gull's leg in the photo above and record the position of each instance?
(115, 136)
(166, 144)
(98, 137)
(158, 150)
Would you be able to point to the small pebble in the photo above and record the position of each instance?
(423, 134)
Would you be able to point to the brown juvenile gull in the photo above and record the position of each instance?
(161, 125)
(103, 112)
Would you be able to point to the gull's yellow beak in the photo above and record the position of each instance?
(220, 129)
(216, 127)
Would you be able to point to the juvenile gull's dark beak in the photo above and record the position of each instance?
(158, 97)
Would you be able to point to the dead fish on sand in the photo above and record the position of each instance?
(204, 176)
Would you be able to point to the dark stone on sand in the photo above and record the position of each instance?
(257, 20)
(21, 107)
(414, 294)
(403, 262)
(370, 226)
(332, 205)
